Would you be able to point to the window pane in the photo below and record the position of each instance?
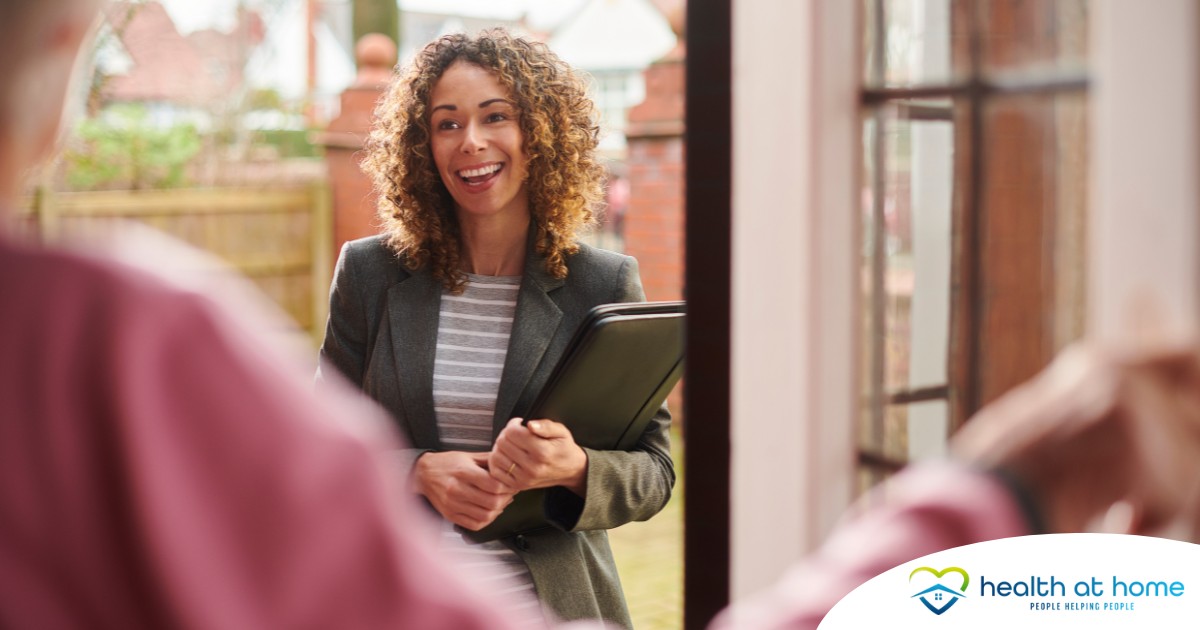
(1069, 241)
(911, 432)
(913, 45)
(928, 425)
(906, 205)
(1033, 235)
(1033, 35)
(913, 227)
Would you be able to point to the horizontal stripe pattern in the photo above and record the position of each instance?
(498, 366)
(472, 342)
(500, 570)
(467, 300)
(461, 348)
(478, 318)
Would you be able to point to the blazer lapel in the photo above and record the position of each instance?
(536, 320)
(413, 306)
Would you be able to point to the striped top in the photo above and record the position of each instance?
(472, 342)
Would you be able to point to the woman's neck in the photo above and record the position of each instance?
(494, 246)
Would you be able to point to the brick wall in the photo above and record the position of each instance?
(654, 222)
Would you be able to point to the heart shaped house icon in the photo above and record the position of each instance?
(942, 588)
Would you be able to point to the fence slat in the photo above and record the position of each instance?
(186, 201)
(281, 238)
(322, 262)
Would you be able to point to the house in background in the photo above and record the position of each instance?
(614, 41)
(150, 61)
(421, 27)
(143, 58)
(201, 75)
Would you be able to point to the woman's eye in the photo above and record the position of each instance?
(497, 117)
(447, 124)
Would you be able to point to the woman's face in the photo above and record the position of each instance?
(477, 144)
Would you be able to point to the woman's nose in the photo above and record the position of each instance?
(473, 140)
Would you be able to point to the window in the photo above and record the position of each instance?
(775, 285)
(975, 155)
(614, 92)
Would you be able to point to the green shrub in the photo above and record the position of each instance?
(290, 143)
(122, 148)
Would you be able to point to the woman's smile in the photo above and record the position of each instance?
(479, 178)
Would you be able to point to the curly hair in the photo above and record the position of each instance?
(558, 123)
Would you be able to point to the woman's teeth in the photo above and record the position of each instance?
(479, 172)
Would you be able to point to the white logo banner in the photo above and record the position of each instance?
(1058, 581)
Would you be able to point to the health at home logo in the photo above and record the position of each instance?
(940, 589)
(1043, 582)
(945, 590)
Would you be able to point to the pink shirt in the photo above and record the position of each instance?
(929, 508)
(158, 469)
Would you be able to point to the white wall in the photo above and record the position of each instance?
(795, 279)
(1145, 194)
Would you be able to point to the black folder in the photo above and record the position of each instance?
(616, 372)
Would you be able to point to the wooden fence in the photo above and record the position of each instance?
(281, 238)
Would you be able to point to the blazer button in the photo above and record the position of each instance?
(521, 542)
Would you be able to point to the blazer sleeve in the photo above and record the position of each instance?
(348, 334)
(622, 486)
(344, 349)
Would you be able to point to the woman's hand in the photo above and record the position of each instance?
(540, 454)
(459, 487)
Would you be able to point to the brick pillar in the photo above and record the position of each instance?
(654, 222)
(353, 198)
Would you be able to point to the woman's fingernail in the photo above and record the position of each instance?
(535, 425)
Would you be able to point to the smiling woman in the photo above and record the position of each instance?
(558, 131)
(483, 152)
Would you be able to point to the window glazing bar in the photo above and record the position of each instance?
(979, 88)
(874, 460)
(923, 394)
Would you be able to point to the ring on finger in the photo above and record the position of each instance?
(510, 468)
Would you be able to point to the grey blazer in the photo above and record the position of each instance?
(381, 334)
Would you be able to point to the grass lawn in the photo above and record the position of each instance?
(650, 560)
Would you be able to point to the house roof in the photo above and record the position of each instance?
(614, 35)
(420, 28)
(167, 66)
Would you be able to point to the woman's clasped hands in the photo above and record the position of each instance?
(472, 489)
(459, 487)
(538, 454)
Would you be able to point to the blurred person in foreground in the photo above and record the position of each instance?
(1105, 439)
(484, 156)
(160, 469)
